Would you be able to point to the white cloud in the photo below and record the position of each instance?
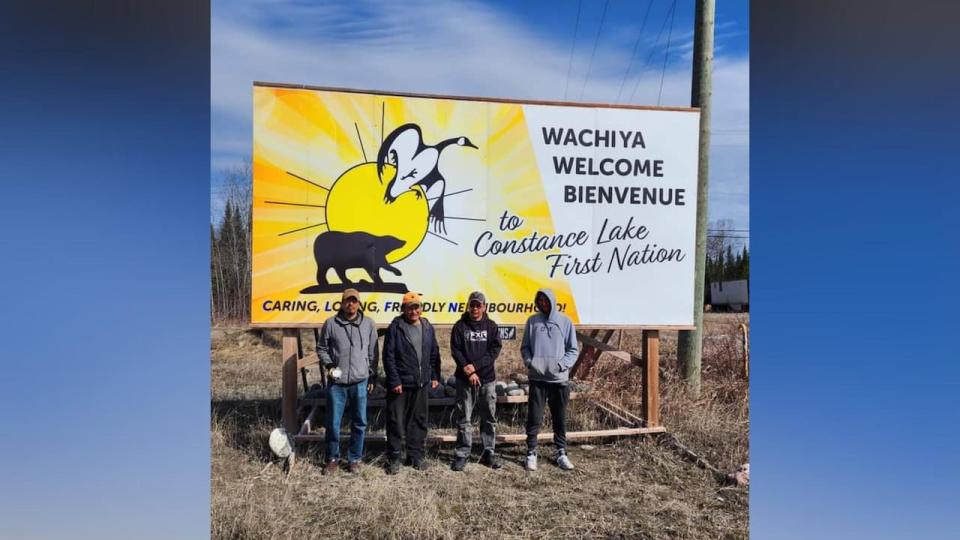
(460, 48)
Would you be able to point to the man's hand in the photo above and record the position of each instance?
(434, 383)
(370, 388)
(469, 369)
(398, 389)
(474, 380)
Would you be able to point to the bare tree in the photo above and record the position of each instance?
(719, 237)
(231, 251)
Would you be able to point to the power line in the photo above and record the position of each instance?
(636, 45)
(573, 45)
(650, 56)
(596, 40)
(666, 53)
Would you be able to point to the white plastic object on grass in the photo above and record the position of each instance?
(280, 443)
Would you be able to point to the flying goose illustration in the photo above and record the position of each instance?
(416, 164)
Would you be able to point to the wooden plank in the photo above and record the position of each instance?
(588, 367)
(509, 437)
(303, 371)
(651, 377)
(663, 327)
(605, 347)
(622, 355)
(308, 360)
(323, 372)
(588, 355)
(636, 419)
(474, 98)
(306, 427)
(438, 402)
(614, 413)
(288, 388)
(586, 352)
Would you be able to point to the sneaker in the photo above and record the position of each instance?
(331, 467)
(564, 462)
(458, 464)
(531, 464)
(353, 467)
(491, 460)
(393, 466)
(420, 464)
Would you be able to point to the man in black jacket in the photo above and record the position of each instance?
(475, 345)
(411, 361)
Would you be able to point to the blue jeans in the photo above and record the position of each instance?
(339, 395)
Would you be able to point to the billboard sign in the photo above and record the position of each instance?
(391, 193)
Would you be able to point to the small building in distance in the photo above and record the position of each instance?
(730, 295)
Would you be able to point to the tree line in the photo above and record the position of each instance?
(230, 248)
(724, 261)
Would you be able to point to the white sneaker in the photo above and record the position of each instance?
(531, 462)
(564, 462)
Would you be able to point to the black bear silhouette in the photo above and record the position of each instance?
(345, 250)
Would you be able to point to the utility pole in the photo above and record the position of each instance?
(690, 342)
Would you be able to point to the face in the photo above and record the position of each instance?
(543, 303)
(411, 312)
(350, 307)
(476, 310)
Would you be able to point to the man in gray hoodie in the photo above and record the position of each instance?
(549, 350)
(348, 351)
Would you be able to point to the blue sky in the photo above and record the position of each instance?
(106, 261)
(498, 48)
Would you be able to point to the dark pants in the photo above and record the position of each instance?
(556, 395)
(407, 414)
(484, 398)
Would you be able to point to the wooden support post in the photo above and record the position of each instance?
(303, 370)
(503, 438)
(651, 377)
(323, 372)
(288, 390)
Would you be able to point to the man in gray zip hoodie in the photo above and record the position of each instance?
(348, 351)
(549, 350)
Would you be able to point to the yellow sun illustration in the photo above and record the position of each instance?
(315, 164)
(356, 203)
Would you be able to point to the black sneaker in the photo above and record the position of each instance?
(420, 464)
(491, 460)
(393, 466)
(458, 464)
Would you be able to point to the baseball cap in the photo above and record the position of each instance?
(350, 293)
(411, 298)
(477, 296)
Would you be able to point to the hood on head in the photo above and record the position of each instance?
(552, 298)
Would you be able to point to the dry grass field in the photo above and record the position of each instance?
(627, 488)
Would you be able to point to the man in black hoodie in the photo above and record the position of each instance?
(475, 345)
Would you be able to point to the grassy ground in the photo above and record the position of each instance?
(630, 488)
